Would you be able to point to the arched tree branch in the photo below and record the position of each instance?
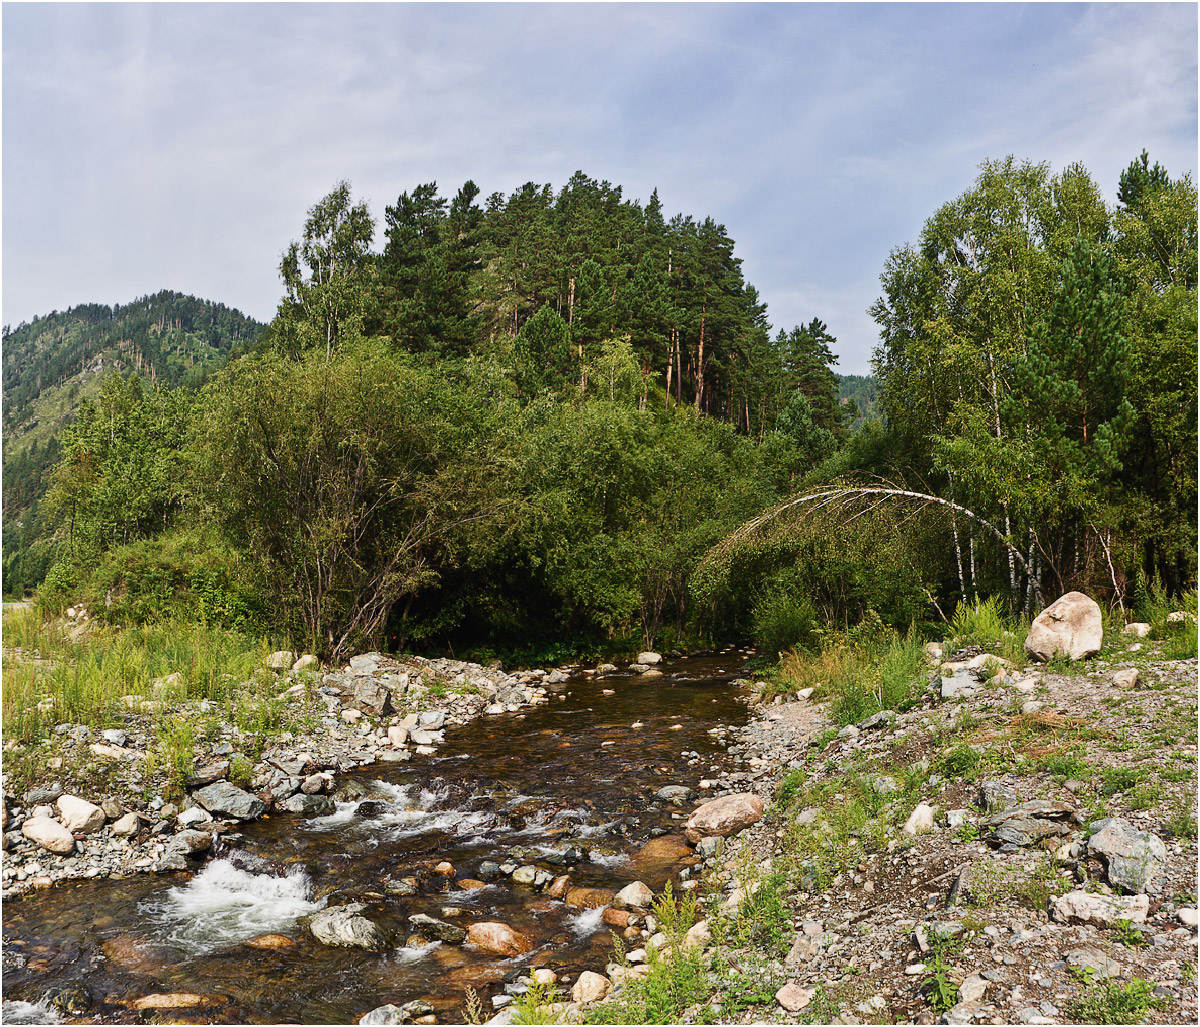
(848, 496)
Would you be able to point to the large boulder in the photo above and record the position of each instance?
(1081, 907)
(1030, 822)
(498, 939)
(667, 848)
(78, 815)
(1133, 857)
(126, 826)
(588, 898)
(175, 1000)
(308, 805)
(410, 1012)
(345, 927)
(590, 987)
(1071, 626)
(371, 697)
(226, 799)
(280, 660)
(180, 847)
(725, 816)
(207, 773)
(635, 894)
(49, 834)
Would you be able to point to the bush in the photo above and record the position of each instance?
(783, 622)
(60, 587)
(180, 575)
(980, 623)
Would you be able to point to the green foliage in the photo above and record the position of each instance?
(53, 364)
(1182, 821)
(346, 494)
(176, 740)
(178, 575)
(675, 981)
(978, 623)
(1128, 935)
(326, 277)
(241, 771)
(1119, 779)
(798, 422)
(782, 622)
(1064, 765)
(1037, 363)
(961, 762)
(543, 353)
(940, 991)
(1114, 1002)
(673, 985)
(521, 427)
(531, 1007)
(763, 918)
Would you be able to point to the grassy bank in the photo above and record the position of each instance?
(873, 668)
(178, 680)
(96, 677)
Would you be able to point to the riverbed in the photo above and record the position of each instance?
(569, 786)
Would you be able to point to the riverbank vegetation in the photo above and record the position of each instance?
(550, 424)
(187, 679)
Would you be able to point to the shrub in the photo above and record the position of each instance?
(1112, 1002)
(980, 623)
(180, 575)
(783, 622)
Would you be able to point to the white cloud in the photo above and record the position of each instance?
(153, 146)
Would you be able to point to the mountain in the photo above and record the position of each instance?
(55, 361)
(858, 389)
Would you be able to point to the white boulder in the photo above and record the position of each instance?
(78, 815)
(1071, 626)
(49, 834)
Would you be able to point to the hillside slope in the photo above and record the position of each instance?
(55, 361)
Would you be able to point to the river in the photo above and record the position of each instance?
(569, 785)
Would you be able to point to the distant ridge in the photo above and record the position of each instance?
(56, 360)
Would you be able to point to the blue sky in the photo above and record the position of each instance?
(178, 146)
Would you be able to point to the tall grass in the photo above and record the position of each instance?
(981, 623)
(1179, 638)
(50, 678)
(859, 675)
(1155, 604)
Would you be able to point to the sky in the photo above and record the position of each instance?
(178, 146)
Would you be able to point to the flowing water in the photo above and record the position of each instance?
(568, 785)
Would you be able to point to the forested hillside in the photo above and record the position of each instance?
(859, 397)
(554, 422)
(56, 361)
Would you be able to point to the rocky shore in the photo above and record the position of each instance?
(1025, 852)
(101, 811)
(1015, 844)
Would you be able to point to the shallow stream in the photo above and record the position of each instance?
(569, 785)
